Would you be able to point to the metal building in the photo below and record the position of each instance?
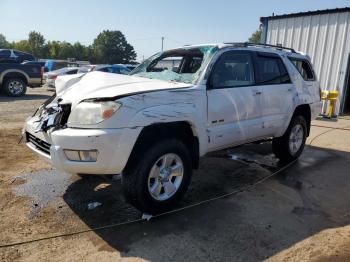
(325, 36)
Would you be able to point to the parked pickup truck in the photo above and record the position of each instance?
(15, 77)
(154, 125)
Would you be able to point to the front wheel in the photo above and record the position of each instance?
(291, 144)
(155, 181)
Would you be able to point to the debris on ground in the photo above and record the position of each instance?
(146, 216)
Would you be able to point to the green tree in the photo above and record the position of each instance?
(36, 42)
(22, 45)
(111, 47)
(53, 48)
(255, 37)
(66, 50)
(80, 51)
(3, 42)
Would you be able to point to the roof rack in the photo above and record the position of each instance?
(246, 44)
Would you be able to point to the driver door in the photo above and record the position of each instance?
(234, 101)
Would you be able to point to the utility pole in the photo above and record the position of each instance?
(162, 42)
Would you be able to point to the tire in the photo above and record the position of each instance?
(15, 87)
(147, 172)
(290, 146)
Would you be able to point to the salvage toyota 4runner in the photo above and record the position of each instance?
(153, 125)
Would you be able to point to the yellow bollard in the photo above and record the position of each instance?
(324, 94)
(332, 97)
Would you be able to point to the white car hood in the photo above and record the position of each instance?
(75, 88)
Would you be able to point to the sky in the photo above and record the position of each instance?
(144, 22)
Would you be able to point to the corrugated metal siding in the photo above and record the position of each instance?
(324, 37)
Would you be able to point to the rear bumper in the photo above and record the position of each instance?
(113, 145)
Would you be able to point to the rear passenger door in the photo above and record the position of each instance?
(234, 102)
(277, 89)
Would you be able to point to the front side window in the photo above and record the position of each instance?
(270, 70)
(5, 53)
(233, 69)
(304, 68)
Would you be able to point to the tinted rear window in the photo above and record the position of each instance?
(270, 70)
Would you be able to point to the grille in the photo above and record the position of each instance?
(38, 143)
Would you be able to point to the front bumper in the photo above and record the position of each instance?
(113, 145)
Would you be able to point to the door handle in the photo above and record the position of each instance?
(257, 92)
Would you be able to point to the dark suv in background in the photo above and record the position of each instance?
(14, 56)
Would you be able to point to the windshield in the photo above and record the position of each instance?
(179, 65)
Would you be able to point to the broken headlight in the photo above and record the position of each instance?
(89, 113)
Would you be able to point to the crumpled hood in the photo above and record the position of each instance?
(75, 88)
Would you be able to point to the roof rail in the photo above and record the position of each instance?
(246, 44)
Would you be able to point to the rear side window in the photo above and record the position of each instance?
(270, 70)
(304, 68)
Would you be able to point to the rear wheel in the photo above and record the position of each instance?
(155, 181)
(15, 87)
(291, 144)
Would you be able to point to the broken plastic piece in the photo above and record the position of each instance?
(93, 205)
(146, 216)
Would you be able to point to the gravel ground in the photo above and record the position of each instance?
(301, 214)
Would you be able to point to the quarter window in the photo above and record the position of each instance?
(304, 68)
(271, 70)
(234, 69)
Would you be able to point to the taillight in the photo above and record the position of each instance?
(53, 77)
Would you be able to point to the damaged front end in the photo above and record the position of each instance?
(52, 115)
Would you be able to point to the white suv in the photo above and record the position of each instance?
(153, 125)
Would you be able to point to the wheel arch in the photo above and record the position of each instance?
(305, 111)
(155, 132)
(14, 74)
